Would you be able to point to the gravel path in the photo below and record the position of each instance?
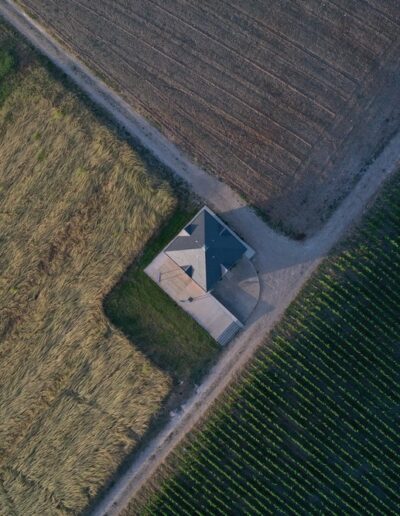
(283, 265)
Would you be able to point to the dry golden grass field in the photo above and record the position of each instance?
(286, 100)
(77, 205)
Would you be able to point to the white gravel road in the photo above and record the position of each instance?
(283, 265)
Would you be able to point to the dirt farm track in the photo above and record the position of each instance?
(284, 100)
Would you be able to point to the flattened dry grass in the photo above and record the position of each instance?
(77, 205)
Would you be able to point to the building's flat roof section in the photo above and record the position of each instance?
(206, 249)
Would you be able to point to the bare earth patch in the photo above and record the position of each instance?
(286, 101)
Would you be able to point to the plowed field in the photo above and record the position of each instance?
(286, 102)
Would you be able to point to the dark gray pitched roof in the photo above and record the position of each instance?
(206, 250)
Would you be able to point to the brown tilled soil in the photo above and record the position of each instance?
(285, 100)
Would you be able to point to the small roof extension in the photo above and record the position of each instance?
(206, 249)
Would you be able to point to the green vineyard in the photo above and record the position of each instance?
(313, 427)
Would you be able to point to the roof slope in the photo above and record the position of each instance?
(205, 249)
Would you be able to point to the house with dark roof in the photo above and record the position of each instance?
(207, 270)
(206, 249)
